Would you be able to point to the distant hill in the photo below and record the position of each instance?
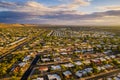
(3, 25)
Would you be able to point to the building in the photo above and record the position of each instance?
(53, 77)
(67, 74)
(57, 67)
(43, 68)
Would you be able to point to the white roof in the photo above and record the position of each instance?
(115, 78)
(84, 72)
(102, 59)
(54, 76)
(26, 58)
(109, 79)
(39, 79)
(107, 66)
(57, 59)
(86, 61)
(78, 73)
(63, 53)
(31, 53)
(95, 60)
(103, 68)
(88, 69)
(22, 64)
(68, 65)
(112, 56)
(107, 57)
(78, 63)
(99, 68)
(63, 49)
(118, 75)
(45, 59)
(55, 67)
(46, 55)
(67, 73)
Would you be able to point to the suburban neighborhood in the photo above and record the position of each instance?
(59, 54)
(59, 39)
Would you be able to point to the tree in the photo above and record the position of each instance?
(14, 78)
(95, 70)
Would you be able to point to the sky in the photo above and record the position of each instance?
(61, 12)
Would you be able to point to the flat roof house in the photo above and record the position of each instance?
(79, 74)
(43, 68)
(67, 74)
(78, 63)
(57, 67)
(53, 77)
(68, 65)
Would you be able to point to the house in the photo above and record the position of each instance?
(98, 46)
(118, 55)
(114, 46)
(77, 51)
(86, 62)
(116, 78)
(87, 55)
(22, 64)
(67, 74)
(31, 53)
(96, 61)
(99, 68)
(103, 68)
(45, 59)
(112, 56)
(63, 53)
(90, 49)
(57, 67)
(84, 50)
(56, 54)
(68, 65)
(107, 57)
(63, 49)
(108, 66)
(89, 70)
(15, 69)
(107, 52)
(43, 68)
(84, 72)
(79, 74)
(78, 63)
(46, 55)
(53, 77)
(118, 75)
(102, 59)
(26, 58)
(57, 59)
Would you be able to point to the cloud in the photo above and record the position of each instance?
(75, 4)
(98, 18)
(8, 5)
(34, 12)
(113, 7)
(40, 9)
(95, 15)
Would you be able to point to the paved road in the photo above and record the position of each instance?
(16, 48)
(27, 73)
(104, 75)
